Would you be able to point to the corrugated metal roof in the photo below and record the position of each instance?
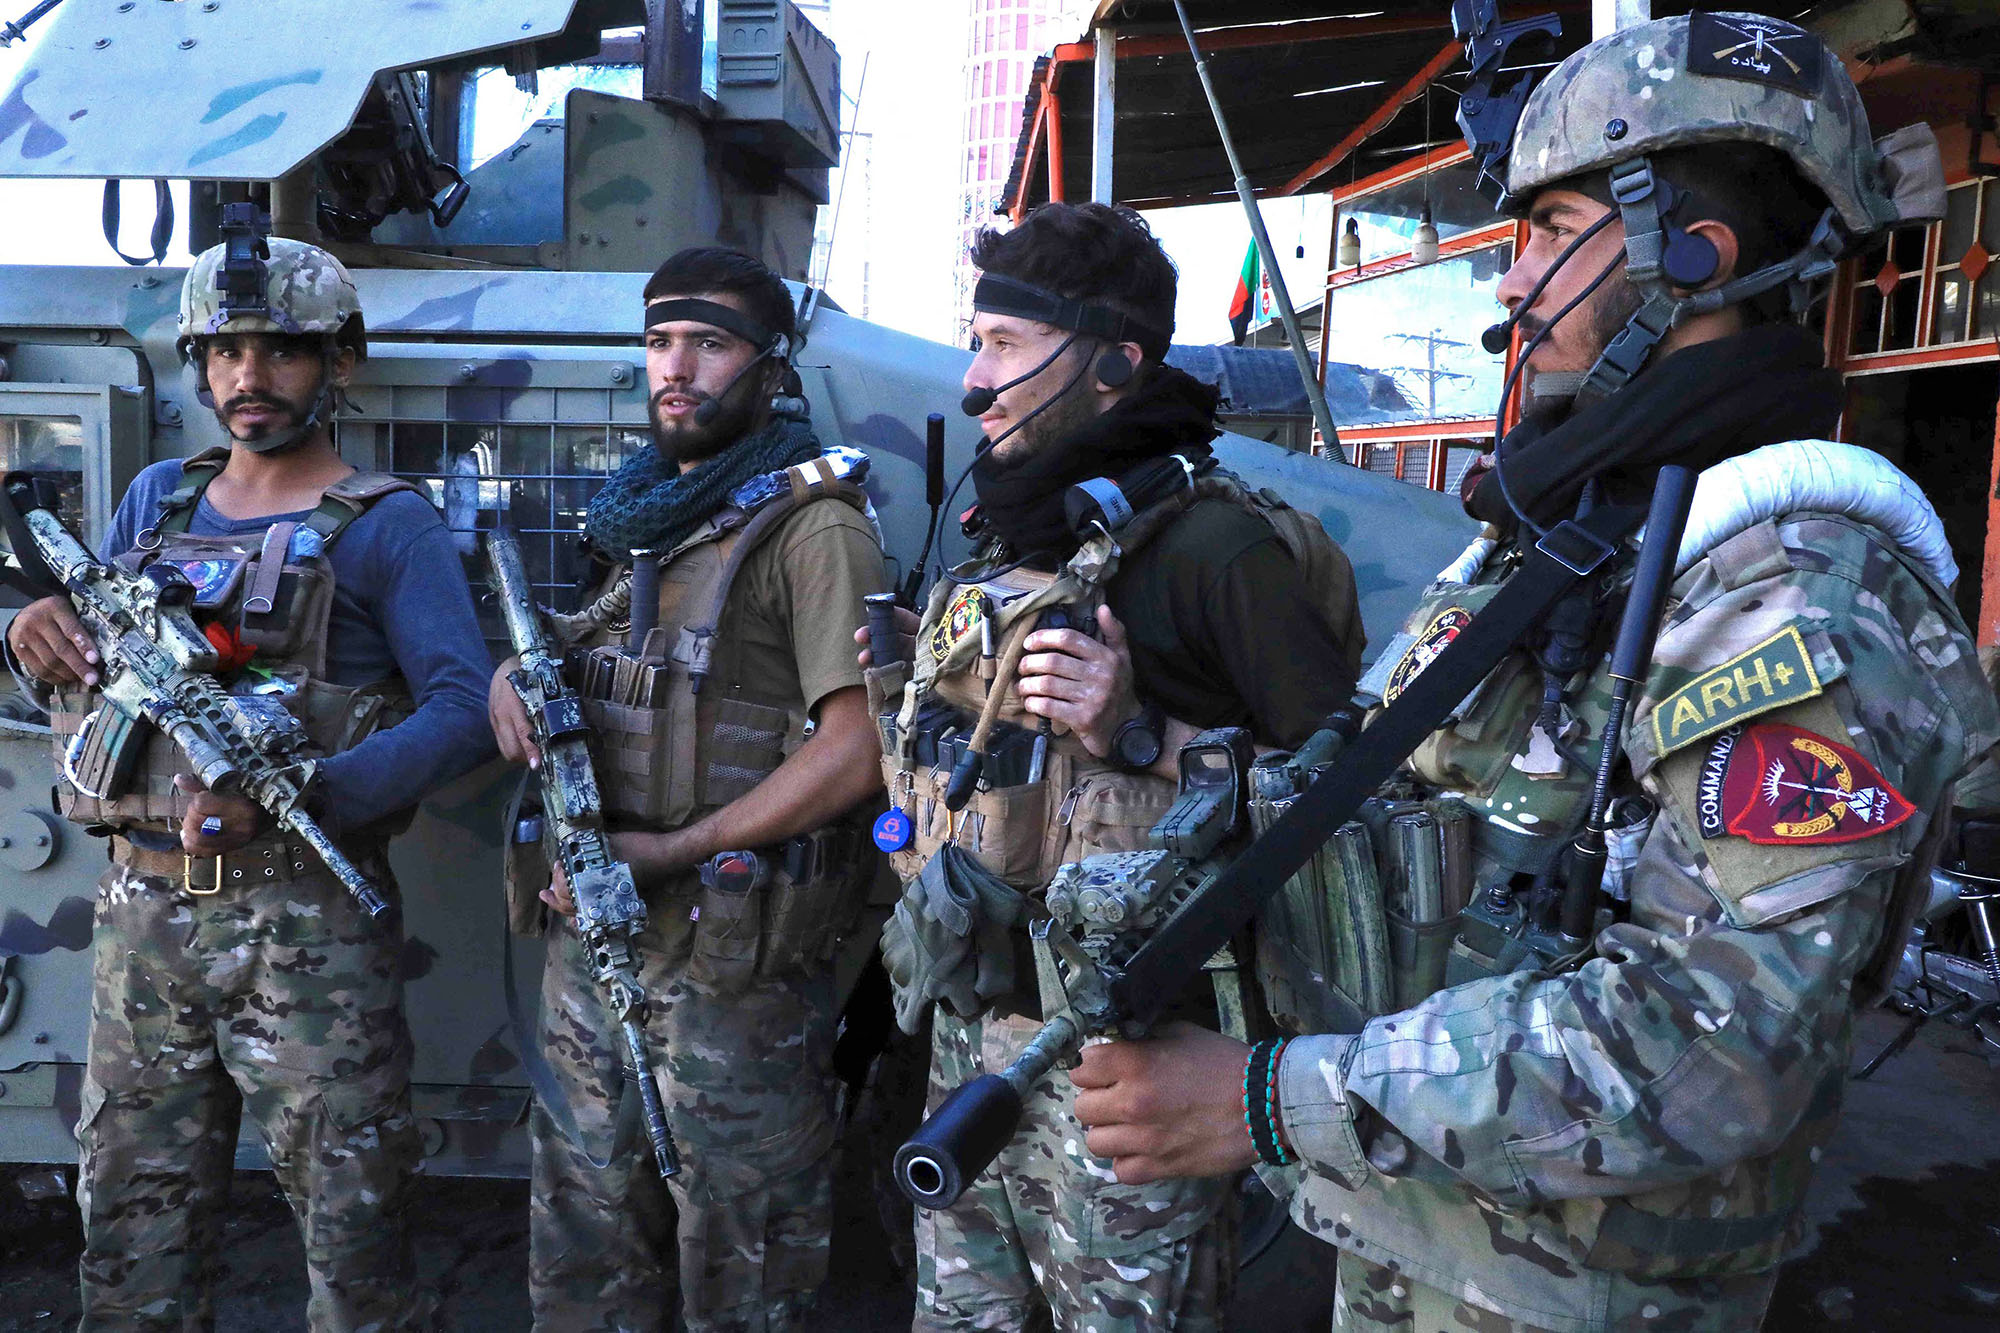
(1314, 74)
(1264, 381)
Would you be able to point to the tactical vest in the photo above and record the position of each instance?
(267, 596)
(1021, 830)
(679, 732)
(1369, 926)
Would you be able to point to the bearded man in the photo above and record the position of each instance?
(732, 732)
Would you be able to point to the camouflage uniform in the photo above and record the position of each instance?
(253, 981)
(288, 993)
(739, 1238)
(1626, 1145)
(1048, 1228)
(744, 1079)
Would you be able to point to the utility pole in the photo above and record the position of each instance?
(1429, 371)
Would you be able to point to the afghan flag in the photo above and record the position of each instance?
(1244, 303)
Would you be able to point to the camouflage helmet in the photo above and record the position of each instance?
(306, 290)
(1706, 78)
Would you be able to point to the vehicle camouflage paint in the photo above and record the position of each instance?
(503, 355)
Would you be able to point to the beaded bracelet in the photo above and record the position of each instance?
(1280, 1155)
(1259, 1074)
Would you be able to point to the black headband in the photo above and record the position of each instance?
(997, 295)
(710, 312)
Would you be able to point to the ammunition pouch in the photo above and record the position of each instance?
(1367, 924)
(789, 918)
(665, 765)
(1024, 831)
(140, 792)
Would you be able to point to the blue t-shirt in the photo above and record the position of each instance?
(401, 606)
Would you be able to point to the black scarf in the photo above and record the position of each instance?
(1022, 502)
(1698, 406)
(649, 503)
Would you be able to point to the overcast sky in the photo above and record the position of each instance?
(901, 224)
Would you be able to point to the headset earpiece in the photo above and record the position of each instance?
(1689, 260)
(1113, 370)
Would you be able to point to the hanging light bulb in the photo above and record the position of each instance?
(1349, 254)
(1424, 245)
(1425, 248)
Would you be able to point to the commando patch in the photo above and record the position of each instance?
(1447, 625)
(1787, 786)
(1708, 791)
(1760, 50)
(1776, 672)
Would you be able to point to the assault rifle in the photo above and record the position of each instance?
(157, 669)
(609, 912)
(1130, 931)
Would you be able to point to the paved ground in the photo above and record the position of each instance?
(1906, 1210)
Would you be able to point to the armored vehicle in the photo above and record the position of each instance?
(502, 303)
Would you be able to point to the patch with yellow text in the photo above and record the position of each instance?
(1776, 672)
(1436, 637)
(1787, 786)
(962, 616)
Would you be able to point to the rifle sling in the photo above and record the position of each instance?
(1208, 920)
(627, 1129)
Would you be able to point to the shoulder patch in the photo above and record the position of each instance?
(1785, 785)
(1776, 672)
(1435, 637)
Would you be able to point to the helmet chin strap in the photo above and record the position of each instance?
(1661, 257)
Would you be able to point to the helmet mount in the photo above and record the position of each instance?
(256, 283)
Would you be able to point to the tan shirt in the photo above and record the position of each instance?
(797, 602)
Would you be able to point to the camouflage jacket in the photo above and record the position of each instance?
(1537, 1140)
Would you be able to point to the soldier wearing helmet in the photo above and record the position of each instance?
(233, 971)
(1617, 1133)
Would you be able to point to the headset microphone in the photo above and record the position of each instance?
(1496, 337)
(709, 409)
(977, 401)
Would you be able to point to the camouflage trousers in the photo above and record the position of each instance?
(741, 1234)
(1048, 1237)
(1371, 1298)
(283, 1000)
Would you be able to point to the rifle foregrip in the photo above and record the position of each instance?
(959, 1141)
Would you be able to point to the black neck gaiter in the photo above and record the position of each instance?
(1022, 501)
(1698, 406)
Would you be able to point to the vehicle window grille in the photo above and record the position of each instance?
(540, 453)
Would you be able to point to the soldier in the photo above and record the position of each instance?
(1624, 1142)
(232, 970)
(732, 733)
(1078, 656)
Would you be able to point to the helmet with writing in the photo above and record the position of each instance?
(1713, 78)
